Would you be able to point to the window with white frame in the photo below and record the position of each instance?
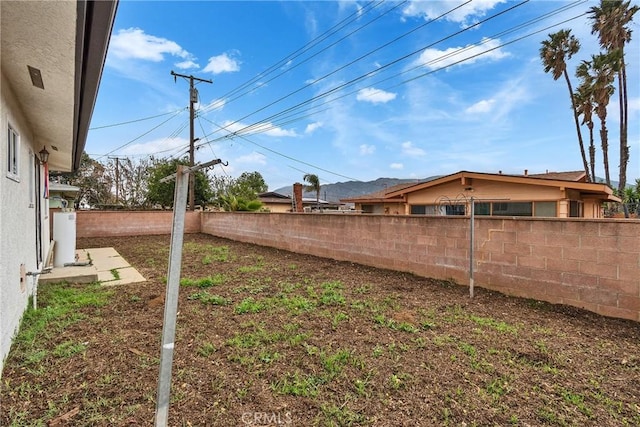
(13, 154)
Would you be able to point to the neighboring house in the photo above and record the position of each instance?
(555, 194)
(277, 203)
(52, 57)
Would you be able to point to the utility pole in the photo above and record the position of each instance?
(193, 98)
(117, 159)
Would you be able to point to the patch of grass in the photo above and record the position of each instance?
(337, 318)
(297, 384)
(115, 273)
(332, 294)
(398, 381)
(394, 324)
(577, 400)
(207, 298)
(296, 303)
(250, 305)
(207, 349)
(341, 415)
(249, 269)
(497, 387)
(68, 349)
(499, 326)
(334, 363)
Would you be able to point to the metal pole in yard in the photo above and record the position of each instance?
(471, 242)
(171, 296)
(173, 287)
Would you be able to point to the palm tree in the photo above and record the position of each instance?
(314, 185)
(610, 21)
(603, 68)
(583, 98)
(555, 51)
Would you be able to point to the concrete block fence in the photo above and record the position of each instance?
(586, 263)
(130, 223)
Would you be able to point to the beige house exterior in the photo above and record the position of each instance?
(556, 194)
(52, 56)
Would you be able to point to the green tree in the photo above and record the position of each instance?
(600, 74)
(92, 180)
(162, 193)
(232, 203)
(248, 185)
(314, 185)
(610, 21)
(555, 52)
(583, 99)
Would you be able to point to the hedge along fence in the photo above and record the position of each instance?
(591, 264)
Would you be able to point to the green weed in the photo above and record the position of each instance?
(250, 305)
(207, 298)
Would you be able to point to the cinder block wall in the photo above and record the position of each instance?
(591, 264)
(130, 223)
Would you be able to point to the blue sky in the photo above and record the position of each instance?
(350, 90)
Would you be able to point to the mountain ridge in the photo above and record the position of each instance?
(343, 190)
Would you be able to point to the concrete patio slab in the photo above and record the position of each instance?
(103, 265)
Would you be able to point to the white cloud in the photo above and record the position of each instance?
(133, 43)
(222, 64)
(185, 65)
(484, 106)
(375, 96)
(409, 149)
(367, 149)
(435, 59)
(396, 166)
(312, 127)
(470, 12)
(214, 105)
(252, 158)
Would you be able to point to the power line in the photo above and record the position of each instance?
(136, 120)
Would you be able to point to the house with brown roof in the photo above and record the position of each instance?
(552, 194)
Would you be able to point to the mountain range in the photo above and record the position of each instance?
(343, 190)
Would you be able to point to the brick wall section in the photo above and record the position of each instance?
(591, 264)
(131, 223)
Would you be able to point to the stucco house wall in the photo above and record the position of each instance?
(17, 220)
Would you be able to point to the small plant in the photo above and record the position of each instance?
(207, 298)
(297, 385)
(115, 273)
(497, 387)
(249, 305)
(69, 348)
(337, 318)
(378, 350)
(207, 349)
(331, 294)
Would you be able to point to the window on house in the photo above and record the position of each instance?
(13, 153)
(482, 208)
(418, 210)
(545, 209)
(455, 209)
(513, 209)
(367, 208)
(575, 209)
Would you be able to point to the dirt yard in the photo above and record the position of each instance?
(268, 337)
